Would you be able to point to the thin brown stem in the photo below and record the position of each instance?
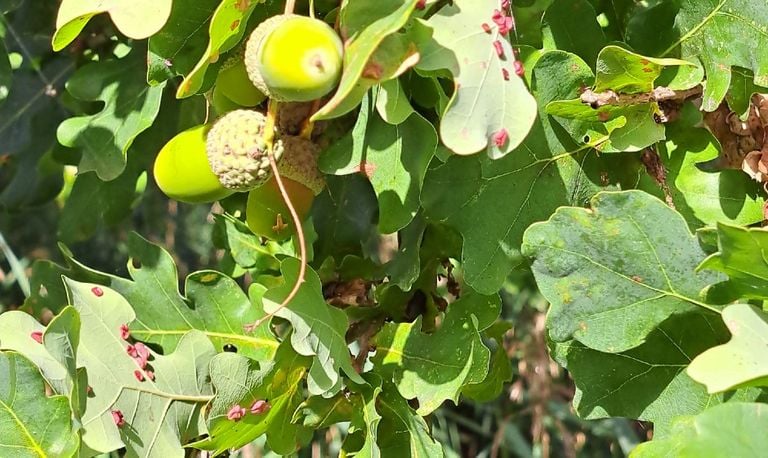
(269, 138)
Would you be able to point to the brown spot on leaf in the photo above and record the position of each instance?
(235, 24)
(367, 169)
(242, 5)
(373, 70)
(647, 70)
(637, 278)
(645, 61)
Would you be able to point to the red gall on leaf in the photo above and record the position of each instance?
(505, 72)
(124, 332)
(37, 336)
(139, 376)
(500, 138)
(236, 413)
(117, 416)
(421, 4)
(150, 375)
(131, 350)
(507, 26)
(505, 4)
(98, 292)
(142, 350)
(260, 406)
(519, 69)
(498, 17)
(499, 48)
(141, 362)
(486, 27)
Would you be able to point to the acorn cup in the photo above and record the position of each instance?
(237, 151)
(293, 58)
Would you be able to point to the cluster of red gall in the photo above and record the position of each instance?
(258, 407)
(505, 24)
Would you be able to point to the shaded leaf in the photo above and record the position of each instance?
(431, 367)
(571, 25)
(648, 382)
(723, 34)
(241, 381)
(395, 160)
(611, 298)
(319, 329)
(723, 431)
(130, 107)
(742, 360)
(31, 423)
(491, 203)
(741, 257)
(177, 47)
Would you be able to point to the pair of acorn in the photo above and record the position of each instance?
(288, 58)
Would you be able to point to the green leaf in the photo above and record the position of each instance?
(366, 417)
(648, 382)
(130, 107)
(395, 159)
(612, 273)
(139, 20)
(432, 367)
(247, 250)
(16, 330)
(369, 26)
(492, 202)
(402, 432)
(571, 25)
(626, 72)
(741, 256)
(723, 431)
(213, 303)
(31, 423)
(176, 49)
(723, 34)
(318, 412)
(500, 367)
(392, 102)
(405, 266)
(631, 127)
(162, 414)
(742, 360)
(241, 381)
(343, 216)
(61, 339)
(483, 102)
(319, 329)
(705, 198)
(741, 91)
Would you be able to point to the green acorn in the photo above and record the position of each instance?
(237, 151)
(294, 58)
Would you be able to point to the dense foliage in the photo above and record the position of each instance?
(341, 232)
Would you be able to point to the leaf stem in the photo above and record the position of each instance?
(289, 6)
(173, 396)
(269, 138)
